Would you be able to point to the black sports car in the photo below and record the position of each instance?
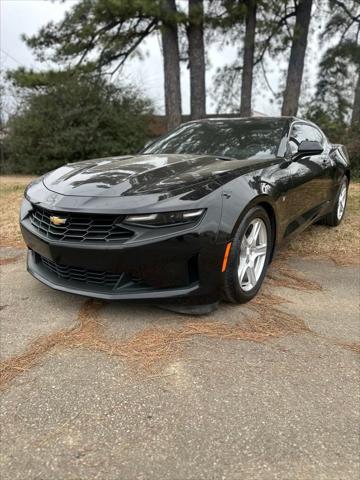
(196, 216)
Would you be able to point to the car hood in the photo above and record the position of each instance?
(145, 174)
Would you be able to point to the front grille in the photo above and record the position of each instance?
(85, 228)
(92, 277)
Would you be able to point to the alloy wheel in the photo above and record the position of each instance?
(253, 252)
(342, 201)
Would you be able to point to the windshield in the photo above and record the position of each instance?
(239, 139)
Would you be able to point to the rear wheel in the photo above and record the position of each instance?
(249, 257)
(334, 218)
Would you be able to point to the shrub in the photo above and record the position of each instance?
(72, 120)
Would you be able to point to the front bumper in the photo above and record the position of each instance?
(185, 267)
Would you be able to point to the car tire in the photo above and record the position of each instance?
(246, 267)
(334, 218)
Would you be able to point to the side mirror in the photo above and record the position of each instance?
(307, 148)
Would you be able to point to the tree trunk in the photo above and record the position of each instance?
(248, 61)
(195, 33)
(170, 44)
(297, 57)
(355, 118)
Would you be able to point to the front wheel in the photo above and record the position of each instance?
(249, 257)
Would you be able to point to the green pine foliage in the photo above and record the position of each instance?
(74, 119)
(339, 68)
(99, 35)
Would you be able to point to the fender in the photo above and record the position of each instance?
(239, 197)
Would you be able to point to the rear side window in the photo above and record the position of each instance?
(301, 132)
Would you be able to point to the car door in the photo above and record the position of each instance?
(310, 176)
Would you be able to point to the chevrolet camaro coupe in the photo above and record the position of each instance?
(195, 217)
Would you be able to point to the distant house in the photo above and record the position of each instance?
(157, 123)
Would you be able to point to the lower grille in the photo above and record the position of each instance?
(84, 228)
(109, 280)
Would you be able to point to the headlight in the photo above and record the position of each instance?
(166, 219)
(25, 208)
(32, 184)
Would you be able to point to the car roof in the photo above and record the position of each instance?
(260, 119)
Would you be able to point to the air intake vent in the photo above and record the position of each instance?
(92, 277)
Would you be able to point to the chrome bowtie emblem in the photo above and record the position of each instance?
(57, 220)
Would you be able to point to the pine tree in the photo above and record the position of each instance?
(297, 58)
(337, 91)
(99, 36)
(170, 44)
(260, 28)
(195, 34)
(248, 59)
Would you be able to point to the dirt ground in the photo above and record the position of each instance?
(109, 390)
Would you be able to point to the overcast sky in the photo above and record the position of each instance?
(27, 16)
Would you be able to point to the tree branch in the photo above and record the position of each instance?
(267, 80)
(125, 55)
(342, 5)
(282, 21)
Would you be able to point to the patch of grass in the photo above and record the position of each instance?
(20, 180)
(9, 189)
(9, 218)
(11, 194)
